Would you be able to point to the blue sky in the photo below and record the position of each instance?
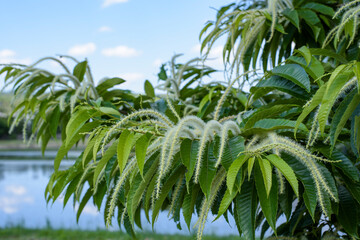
(124, 38)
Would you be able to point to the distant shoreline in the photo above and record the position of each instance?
(20, 233)
(13, 145)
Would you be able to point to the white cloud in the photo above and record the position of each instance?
(90, 210)
(214, 59)
(196, 48)
(25, 61)
(132, 76)
(157, 62)
(7, 53)
(134, 81)
(215, 52)
(56, 64)
(9, 210)
(16, 190)
(8, 56)
(82, 49)
(13, 203)
(105, 29)
(107, 3)
(56, 67)
(121, 51)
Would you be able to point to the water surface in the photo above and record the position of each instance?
(22, 201)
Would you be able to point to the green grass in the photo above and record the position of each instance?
(50, 234)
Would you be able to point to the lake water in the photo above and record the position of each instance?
(23, 178)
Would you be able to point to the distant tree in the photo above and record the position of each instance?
(5, 110)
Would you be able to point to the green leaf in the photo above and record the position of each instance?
(304, 175)
(98, 139)
(140, 150)
(64, 148)
(357, 74)
(45, 137)
(189, 203)
(61, 182)
(355, 133)
(321, 8)
(315, 101)
(79, 70)
(129, 226)
(342, 114)
(139, 184)
(268, 202)
(331, 184)
(315, 69)
(83, 202)
(149, 89)
(107, 83)
(162, 74)
(245, 208)
(148, 196)
(328, 53)
(348, 212)
(110, 111)
(71, 189)
(168, 184)
(76, 121)
(109, 153)
(189, 151)
(233, 171)
(352, 187)
(293, 17)
(54, 121)
(273, 124)
(350, 27)
(305, 52)
(99, 195)
(225, 202)
(334, 85)
(309, 16)
(281, 84)
(207, 25)
(42, 109)
(286, 200)
(203, 102)
(87, 154)
(250, 166)
(185, 152)
(267, 112)
(137, 218)
(294, 73)
(208, 170)
(266, 170)
(233, 147)
(16, 109)
(286, 170)
(316, 30)
(109, 168)
(346, 166)
(126, 142)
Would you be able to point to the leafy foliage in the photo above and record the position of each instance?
(288, 147)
